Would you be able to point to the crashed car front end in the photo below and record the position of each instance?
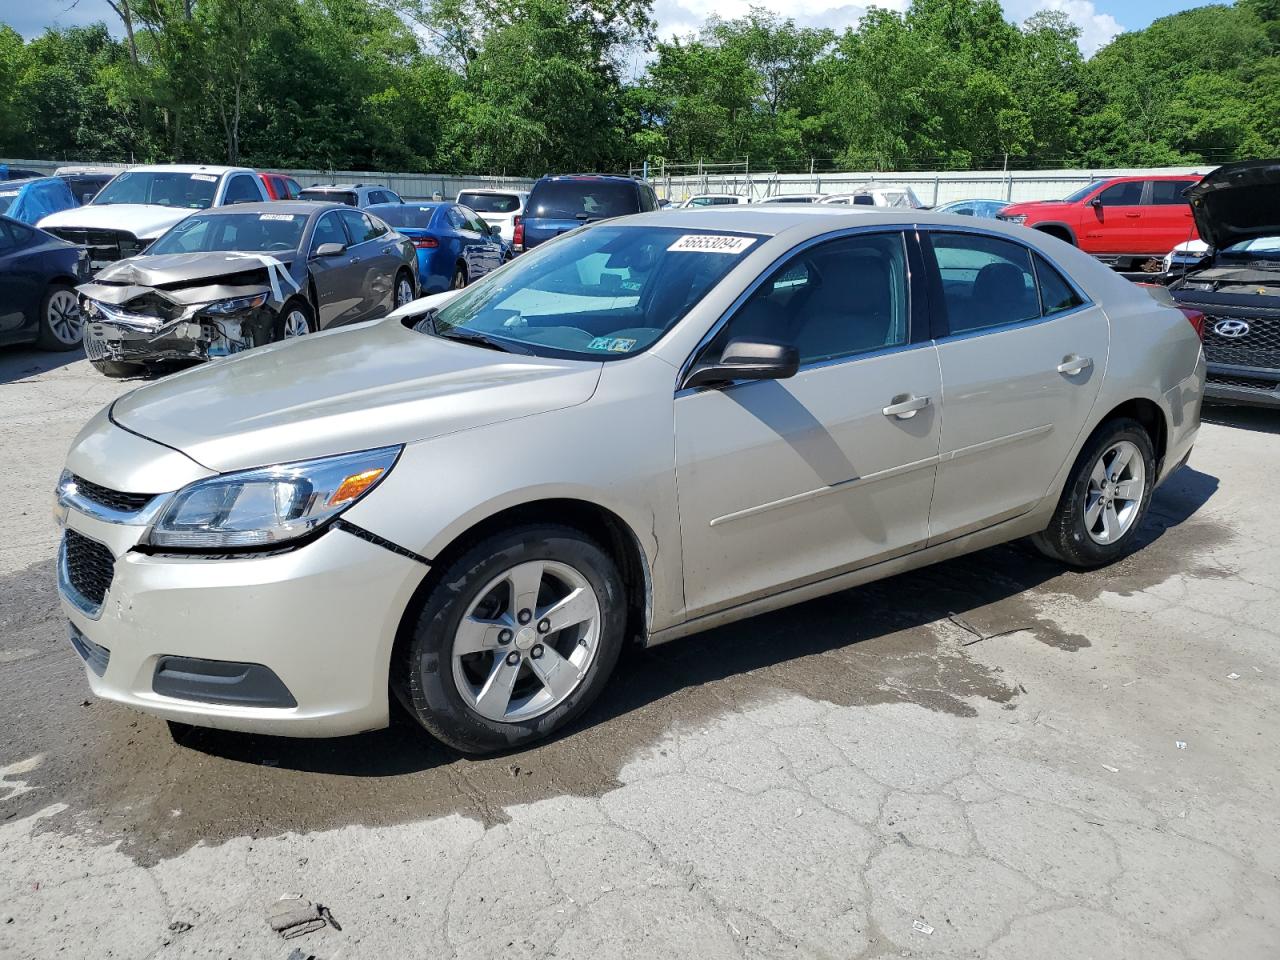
(147, 314)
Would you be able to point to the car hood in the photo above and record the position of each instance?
(188, 278)
(1237, 202)
(1032, 206)
(365, 386)
(142, 220)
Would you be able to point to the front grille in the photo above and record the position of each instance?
(95, 345)
(1227, 380)
(105, 246)
(115, 499)
(1260, 347)
(90, 566)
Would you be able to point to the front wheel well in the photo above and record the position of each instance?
(1054, 230)
(603, 526)
(1152, 419)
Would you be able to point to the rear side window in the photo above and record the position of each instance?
(1128, 194)
(986, 281)
(1169, 192)
(1056, 295)
(582, 199)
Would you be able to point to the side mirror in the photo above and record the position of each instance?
(747, 360)
(1096, 202)
(330, 250)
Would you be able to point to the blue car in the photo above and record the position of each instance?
(454, 245)
(560, 204)
(28, 200)
(38, 273)
(983, 209)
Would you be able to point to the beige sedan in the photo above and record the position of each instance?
(647, 427)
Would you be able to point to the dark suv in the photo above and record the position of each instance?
(1237, 284)
(559, 204)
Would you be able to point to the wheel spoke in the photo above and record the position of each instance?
(1092, 512)
(496, 695)
(1099, 475)
(578, 607)
(525, 581)
(557, 674)
(1110, 523)
(1128, 489)
(1120, 461)
(476, 636)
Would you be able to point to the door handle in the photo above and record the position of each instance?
(904, 406)
(1133, 216)
(1073, 364)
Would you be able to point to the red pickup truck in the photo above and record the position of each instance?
(1123, 221)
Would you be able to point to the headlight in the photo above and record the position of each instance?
(90, 308)
(1167, 263)
(235, 305)
(268, 505)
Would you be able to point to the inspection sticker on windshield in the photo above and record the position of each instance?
(276, 216)
(711, 243)
(611, 344)
(205, 177)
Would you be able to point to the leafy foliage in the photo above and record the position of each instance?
(530, 86)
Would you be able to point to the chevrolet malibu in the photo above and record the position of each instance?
(650, 426)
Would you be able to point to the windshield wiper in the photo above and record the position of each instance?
(482, 340)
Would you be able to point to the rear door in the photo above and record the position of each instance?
(1113, 220)
(786, 482)
(337, 279)
(1168, 220)
(1022, 354)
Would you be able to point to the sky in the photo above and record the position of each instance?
(1099, 20)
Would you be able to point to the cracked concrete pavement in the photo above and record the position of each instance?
(989, 758)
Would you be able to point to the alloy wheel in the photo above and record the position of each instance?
(63, 317)
(404, 292)
(296, 324)
(527, 641)
(1113, 497)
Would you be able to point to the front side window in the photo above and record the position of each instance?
(1128, 194)
(329, 230)
(194, 191)
(259, 232)
(986, 281)
(357, 224)
(838, 299)
(602, 293)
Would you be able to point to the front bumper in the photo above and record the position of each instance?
(1252, 386)
(321, 619)
(199, 338)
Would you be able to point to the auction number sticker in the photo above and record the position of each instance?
(711, 243)
(276, 216)
(205, 177)
(612, 344)
(8, 193)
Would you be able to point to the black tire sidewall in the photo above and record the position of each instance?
(1072, 540)
(458, 271)
(427, 671)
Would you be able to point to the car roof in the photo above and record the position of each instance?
(609, 177)
(347, 187)
(307, 207)
(498, 190)
(186, 168)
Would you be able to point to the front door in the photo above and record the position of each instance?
(1022, 356)
(1113, 220)
(337, 278)
(791, 481)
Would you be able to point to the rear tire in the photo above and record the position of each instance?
(508, 600)
(117, 369)
(61, 327)
(404, 292)
(459, 277)
(1105, 499)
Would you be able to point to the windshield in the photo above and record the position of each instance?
(599, 294)
(1082, 192)
(329, 196)
(1269, 245)
(167, 189)
(582, 199)
(490, 202)
(233, 231)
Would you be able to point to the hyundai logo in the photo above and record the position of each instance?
(1235, 329)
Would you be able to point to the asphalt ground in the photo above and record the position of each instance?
(993, 757)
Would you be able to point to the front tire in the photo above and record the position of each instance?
(295, 320)
(1105, 499)
(517, 639)
(61, 326)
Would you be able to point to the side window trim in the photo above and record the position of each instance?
(906, 231)
(341, 227)
(938, 317)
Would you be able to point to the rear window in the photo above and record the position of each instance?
(582, 199)
(407, 214)
(490, 202)
(332, 196)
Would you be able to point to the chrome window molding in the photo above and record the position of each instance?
(724, 318)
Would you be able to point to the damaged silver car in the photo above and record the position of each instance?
(228, 279)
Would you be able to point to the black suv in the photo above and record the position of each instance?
(1237, 285)
(559, 204)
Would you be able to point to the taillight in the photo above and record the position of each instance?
(426, 243)
(517, 233)
(1196, 318)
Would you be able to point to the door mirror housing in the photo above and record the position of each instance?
(330, 250)
(1096, 202)
(747, 360)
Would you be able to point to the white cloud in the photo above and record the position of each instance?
(1096, 29)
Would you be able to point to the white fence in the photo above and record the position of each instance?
(411, 186)
(932, 188)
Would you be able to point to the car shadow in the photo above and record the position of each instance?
(24, 362)
(986, 592)
(1257, 419)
